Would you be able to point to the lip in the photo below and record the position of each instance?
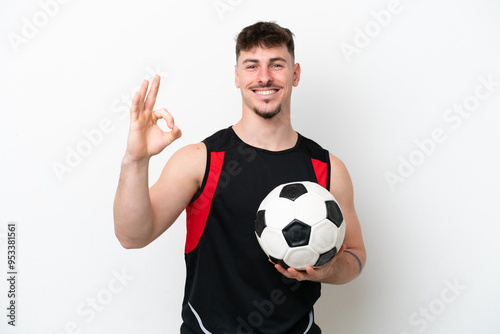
(266, 92)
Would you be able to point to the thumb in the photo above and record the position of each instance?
(171, 136)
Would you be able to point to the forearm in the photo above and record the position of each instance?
(133, 214)
(346, 267)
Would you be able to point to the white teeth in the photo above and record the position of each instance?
(265, 92)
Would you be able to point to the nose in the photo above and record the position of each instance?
(265, 76)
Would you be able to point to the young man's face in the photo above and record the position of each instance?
(265, 77)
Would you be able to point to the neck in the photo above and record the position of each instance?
(274, 134)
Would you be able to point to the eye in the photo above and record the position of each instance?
(251, 67)
(276, 66)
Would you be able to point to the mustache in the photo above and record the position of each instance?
(270, 85)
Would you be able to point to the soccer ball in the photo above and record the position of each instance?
(300, 224)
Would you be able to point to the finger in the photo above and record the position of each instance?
(163, 113)
(282, 270)
(153, 92)
(138, 101)
(176, 132)
(172, 135)
(294, 273)
(134, 110)
(310, 271)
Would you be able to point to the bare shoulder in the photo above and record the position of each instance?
(186, 166)
(195, 153)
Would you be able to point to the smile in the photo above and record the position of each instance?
(266, 92)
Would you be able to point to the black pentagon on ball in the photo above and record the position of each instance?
(260, 222)
(325, 257)
(293, 191)
(333, 213)
(297, 233)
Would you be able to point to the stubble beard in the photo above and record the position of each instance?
(267, 114)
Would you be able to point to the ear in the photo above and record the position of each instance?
(296, 74)
(236, 77)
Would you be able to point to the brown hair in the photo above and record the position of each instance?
(266, 35)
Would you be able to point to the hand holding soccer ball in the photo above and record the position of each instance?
(300, 224)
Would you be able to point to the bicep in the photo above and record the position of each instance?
(342, 189)
(179, 181)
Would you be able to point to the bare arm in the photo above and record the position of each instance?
(142, 214)
(351, 258)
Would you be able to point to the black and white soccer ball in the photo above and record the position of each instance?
(300, 224)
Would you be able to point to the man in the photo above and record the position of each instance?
(231, 287)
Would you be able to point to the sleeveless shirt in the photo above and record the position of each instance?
(231, 287)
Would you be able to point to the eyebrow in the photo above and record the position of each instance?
(271, 60)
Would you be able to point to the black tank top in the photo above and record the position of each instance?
(231, 287)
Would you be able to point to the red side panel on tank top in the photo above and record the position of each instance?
(321, 171)
(197, 211)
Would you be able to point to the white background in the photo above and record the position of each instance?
(75, 70)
